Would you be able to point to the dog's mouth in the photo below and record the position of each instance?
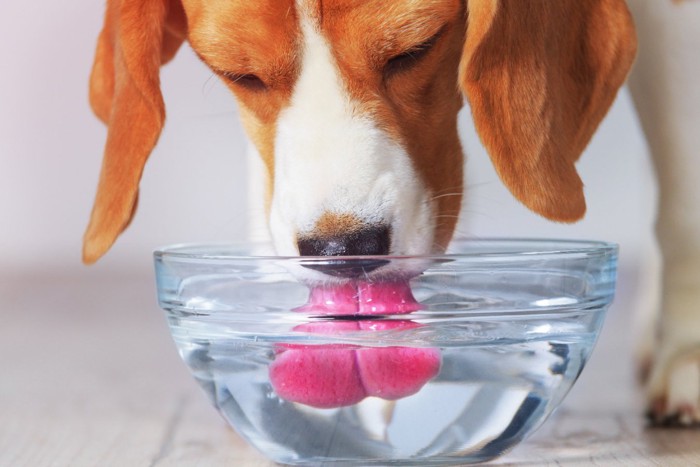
(368, 240)
(346, 268)
(361, 286)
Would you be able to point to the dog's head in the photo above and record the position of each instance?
(352, 106)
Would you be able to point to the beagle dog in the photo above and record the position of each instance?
(352, 107)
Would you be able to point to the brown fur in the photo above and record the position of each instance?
(125, 89)
(334, 225)
(540, 75)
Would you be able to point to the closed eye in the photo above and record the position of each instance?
(246, 80)
(408, 59)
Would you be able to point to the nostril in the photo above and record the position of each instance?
(371, 240)
(374, 240)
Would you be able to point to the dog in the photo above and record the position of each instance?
(352, 106)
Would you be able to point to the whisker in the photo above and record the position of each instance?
(445, 195)
(453, 189)
(208, 84)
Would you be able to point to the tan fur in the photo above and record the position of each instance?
(539, 74)
(125, 94)
(333, 225)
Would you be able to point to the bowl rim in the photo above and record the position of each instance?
(556, 247)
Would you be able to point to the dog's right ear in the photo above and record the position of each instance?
(540, 75)
(138, 36)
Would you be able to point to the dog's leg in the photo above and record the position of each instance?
(647, 307)
(666, 89)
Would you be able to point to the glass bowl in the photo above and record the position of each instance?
(422, 360)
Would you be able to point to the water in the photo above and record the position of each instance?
(471, 388)
(496, 337)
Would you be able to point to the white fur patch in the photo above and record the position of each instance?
(331, 158)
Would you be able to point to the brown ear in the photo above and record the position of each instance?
(138, 36)
(540, 75)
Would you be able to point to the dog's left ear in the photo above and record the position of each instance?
(540, 75)
(138, 36)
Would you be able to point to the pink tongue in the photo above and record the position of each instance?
(328, 376)
(321, 376)
(362, 298)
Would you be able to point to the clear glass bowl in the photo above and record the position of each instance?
(425, 360)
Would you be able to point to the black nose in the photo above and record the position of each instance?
(373, 240)
(370, 240)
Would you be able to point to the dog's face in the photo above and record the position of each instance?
(352, 106)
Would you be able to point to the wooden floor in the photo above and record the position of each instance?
(90, 377)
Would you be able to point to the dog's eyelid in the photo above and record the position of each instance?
(406, 59)
(247, 80)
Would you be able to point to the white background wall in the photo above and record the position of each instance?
(194, 186)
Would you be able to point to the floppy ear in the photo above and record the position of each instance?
(138, 36)
(540, 75)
